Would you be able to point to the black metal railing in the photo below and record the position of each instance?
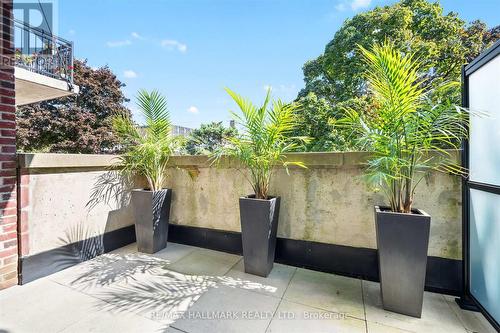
(41, 52)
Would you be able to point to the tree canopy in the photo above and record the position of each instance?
(209, 137)
(444, 42)
(75, 124)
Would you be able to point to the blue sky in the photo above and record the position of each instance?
(190, 50)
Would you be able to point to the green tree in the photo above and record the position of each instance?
(75, 124)
(317, 118)
(442, 41)
(208, 138)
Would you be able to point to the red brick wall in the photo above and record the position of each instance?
(8, 200)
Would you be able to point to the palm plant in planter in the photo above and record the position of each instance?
(147, 150)
(407, 133)
(261, 147)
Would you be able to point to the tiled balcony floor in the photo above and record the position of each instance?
(188, 289)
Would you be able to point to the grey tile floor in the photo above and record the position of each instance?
(188, 289)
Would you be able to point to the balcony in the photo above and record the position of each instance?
(79, 253)
(43, 65)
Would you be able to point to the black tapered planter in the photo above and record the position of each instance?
(151, 212)
(259, 224)
(402, 241)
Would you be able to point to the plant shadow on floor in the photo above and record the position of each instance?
(111, 268)
(164, 295)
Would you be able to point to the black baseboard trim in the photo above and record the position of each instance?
(329, 258)
(213, 239)
(45, 263)
(443, 275)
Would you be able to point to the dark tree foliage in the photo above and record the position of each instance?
(208, 138)
(75, 124)
(443, 42)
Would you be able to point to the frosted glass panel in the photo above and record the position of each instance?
(485, 250)
(484, 96)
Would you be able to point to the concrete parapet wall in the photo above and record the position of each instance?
(329, 202)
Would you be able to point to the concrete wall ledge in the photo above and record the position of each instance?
(49, 160)
(311, 159)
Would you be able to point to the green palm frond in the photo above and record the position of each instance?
(407, 124)
(155, 111)
(147, 149)
(264, 140)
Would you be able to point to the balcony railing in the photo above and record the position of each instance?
(41, 52)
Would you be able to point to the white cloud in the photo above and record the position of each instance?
(119, 43)
(71, 32)
(340, 7)
(193, 109)
(136, 35)
(171, 44)
(359, 4)
(130, 74)
(352, 4)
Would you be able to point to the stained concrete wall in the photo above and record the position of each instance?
(329, 202)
